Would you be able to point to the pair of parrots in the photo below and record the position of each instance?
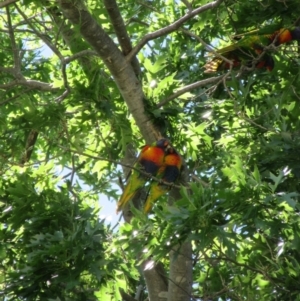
(159, 160)
(250, 46)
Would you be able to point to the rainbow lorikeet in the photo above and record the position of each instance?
(169, 173)
(150, 160)
(250, 46)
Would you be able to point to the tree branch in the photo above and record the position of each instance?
(188, 5)
(87, 58)
(54, 49)
(9, 70)
(190, 87)
(34, 84)
(156, 280)
(170, 28)
(118, 24)
(7, 2)
(31, 140)
(80, 54)
(121, 70)
(39, 34)
(120, 30)
(181, 273)
(15, 49)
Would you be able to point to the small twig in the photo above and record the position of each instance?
(124, 165)
(136, 20)
(65, 79)
(200, 181)
(152, 8)
(189, 88)
(76, 169)
(14, 97)
(33, 84)
(18, 30)
(117, 223)
(23, 22)
(207, 47)
(73, 170)
(40, 35)
(15, 49)
(138, 292)
(213, 296)
(62, 96)
(254, 123)
(31, 140)
(293, 88)
(226, 258)
(77, 55)
(104, 140)
(188, 5)
(225, 86)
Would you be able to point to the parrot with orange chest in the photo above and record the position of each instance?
(250, 46)
(168, 173)
(150, 160)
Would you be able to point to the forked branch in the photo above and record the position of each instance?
(171, 28)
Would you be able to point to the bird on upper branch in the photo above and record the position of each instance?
(169, 173)
(250, 47)
(150, 160)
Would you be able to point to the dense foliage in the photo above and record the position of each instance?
(67, 123)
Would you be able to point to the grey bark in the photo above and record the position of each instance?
(122, 71)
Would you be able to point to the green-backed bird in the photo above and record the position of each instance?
(250, 46)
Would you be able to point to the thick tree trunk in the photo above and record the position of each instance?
(181, 264)
(181, 273)
(156, 280)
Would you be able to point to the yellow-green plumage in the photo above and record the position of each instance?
(149, 161)
(251, 47)
(168, 173)
(135, 183)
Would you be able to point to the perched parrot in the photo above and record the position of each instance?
(169, 172)
(150, 160)
(268, 34)
(250, 46)
(239, 56)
